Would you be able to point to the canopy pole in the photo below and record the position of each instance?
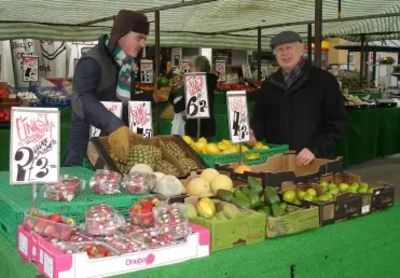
(157, 65)
(259, 49)
(318, 33)
(374, 67)
(309, 43)
(362, 59)
(348, 60)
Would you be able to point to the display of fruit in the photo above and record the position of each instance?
(351, 100)
(102, 220)
(65, 190)
(169, 186)
(139, 183)
(97, 250)
(139, 154)
(27, 97)
(198, 187)
(235, 87)
(105, 182)
(4, 115)
(172, 220)
(166, 168)
(48, 225)
(186, 162)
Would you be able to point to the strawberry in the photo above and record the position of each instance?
(50, 231)
(146, 205)
(39, 226)
(55, 217)
(29, 224)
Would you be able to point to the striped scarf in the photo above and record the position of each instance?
(124, 77)
(291, 77)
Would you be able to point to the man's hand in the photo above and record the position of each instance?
(305, 157)
(253, 139)
(120, 141)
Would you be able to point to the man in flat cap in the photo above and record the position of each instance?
(105, 73)
(300, 105)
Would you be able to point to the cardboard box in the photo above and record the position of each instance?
(99, 156)
(283, 167)
(296, 221)
(247, 227)
(345, 206)
(51, 262)
(381, 198)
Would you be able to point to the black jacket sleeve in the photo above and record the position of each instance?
(84, 100)
(334, 120)
(257, 120)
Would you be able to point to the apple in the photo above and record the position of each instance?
(343, 187)
(300, 194)
(332, 186)
(289, 195)
(312, 192)
(308, 197)
(352, 189)
(355, 184)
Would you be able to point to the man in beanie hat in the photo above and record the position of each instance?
(106, 73)
(299, 105)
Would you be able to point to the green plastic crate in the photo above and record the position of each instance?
(15, 200)
(260, 156)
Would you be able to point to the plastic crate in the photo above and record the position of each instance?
(250, 157)
(15, 200)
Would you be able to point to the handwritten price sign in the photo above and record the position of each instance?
(184, 65)
(238, 117)
(115, 107)
(140, 119)
(220, 68)
(246, 71)
(196, 96)
(146, 71)
(34, 145)
(30, 66)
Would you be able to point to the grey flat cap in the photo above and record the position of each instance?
(285, 37)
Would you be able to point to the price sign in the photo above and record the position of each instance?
(246, 71)
(220, 68)
(146, 71)
(196, 96)
(115, 107)
(30, 66)
(140, 119)
(184, 65)
(34, 145)
(239, 128)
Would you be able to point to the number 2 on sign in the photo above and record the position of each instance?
(25, 156)
(193, 107)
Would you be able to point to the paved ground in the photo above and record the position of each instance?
(385, 169)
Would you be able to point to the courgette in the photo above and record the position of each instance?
(270, 196)
(255, 184)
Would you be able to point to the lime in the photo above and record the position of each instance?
(289, 195)
(312, 192)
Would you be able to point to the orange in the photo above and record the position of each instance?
(240, 169)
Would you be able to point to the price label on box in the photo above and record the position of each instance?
(34, 145)
(196, 96)
(114, 107)
(246, 71)
(146, 71)
(220, 68)
(30, 66)
(184, 65)
(239, 128)
(140, 118)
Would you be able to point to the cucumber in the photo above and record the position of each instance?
(255, 184)
(254, 198)
(270, 196)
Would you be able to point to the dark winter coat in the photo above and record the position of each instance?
(309, 114)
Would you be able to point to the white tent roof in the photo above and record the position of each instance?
(192, 26)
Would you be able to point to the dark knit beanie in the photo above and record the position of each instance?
(127, 21)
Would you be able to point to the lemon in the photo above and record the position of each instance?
(244, 148)
(259, 145)
(264, 148)
(227, 142)
(203, 140)
(222, 146)
(187, 139)
(212, 148)
(199, 146)
(233, 149)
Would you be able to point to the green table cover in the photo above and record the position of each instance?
(366, 247)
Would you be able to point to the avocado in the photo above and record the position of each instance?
(239, 194)
(241, 202)
(270, 196)
(254, 198)
(224, 195)
(255, 184)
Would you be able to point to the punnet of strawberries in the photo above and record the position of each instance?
(48, 225)
(141, 214)
(65, 190)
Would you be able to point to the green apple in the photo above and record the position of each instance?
(362, 190)
(300, 195)
(343, 187)
(364, 185)
(371, 190)
(332, 186)
(323, 183)
(324, 186)
(352, 189)
(329, 196)
(289, 195)
(323, 198)
(312, 192)
(296, 202)
(355, 184)
(308, 197)
(334, 191)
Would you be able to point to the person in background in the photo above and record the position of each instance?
(106, 73)
(207, 126)
(299, 105)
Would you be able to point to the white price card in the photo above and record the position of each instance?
(146, 71)
(34, 145)
(246, 71)
(220, 68)
(196, 96)
(184, 65)
(239, 128)
(30, 66)
(114, 107)
(140, 118)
